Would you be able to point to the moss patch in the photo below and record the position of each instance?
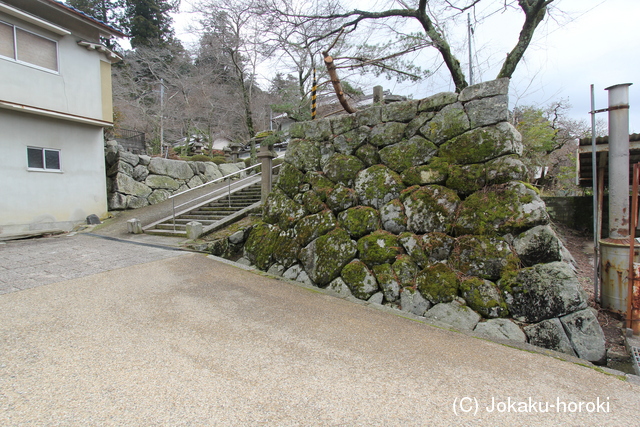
(359, 279)
(359, 221)
(484, 297)
(379, 247)
(438, 283)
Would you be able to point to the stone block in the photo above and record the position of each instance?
(194, 230)
(134, 226)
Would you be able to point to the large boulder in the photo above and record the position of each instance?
(454, 314)
(438, 283)
(448, 123)
(406, 154)
(586, 335)
(360, 280)
(379, 247)
(176, 169)
(311, 227)
(260, 245)
(324, 258)
(538, 245)
(342, 168)
(543, 291)
(388, 281)
(359, 221)
(483, 297)
(501, 329)
(162, 182)
(549, 334)
(280, 209)
(481, 256)
(126, 185)
(303, 155)
(430, 208)
(483, 144)
(413, 302)
(393, 217)
(377, 185)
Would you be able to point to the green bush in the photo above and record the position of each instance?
(200, 158)
(219, 160)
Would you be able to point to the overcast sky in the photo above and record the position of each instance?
(586, 42)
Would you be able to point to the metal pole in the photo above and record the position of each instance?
(229, 194)
(162, 117)
(470, 32)
(594, 175)
(173, 205)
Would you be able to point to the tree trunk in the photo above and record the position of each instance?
(333, 74)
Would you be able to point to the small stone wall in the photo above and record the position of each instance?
(420, 206)
(134, 181)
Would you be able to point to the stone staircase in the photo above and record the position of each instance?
(213, 214)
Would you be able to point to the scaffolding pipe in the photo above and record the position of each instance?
(596, 227)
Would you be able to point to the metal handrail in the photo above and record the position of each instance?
(226, 177)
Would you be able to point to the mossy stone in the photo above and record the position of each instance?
(320, 184)
(483, 297)
(405, 154)
(313, 226)
(285, 251)
(435, 172)
(448, 123)
(466, 179)
(430, 208)
(341, 198)
(260, 245)
(349, 142)
(416, 123)
(438, 283)
(438, 101)
(324, 258)
(312, 202)
(359, 221)
(505, 169)
(387, 133)
(437, 246)
(289, 179)
(343, 124)
(393, 217)
(405, 270)
(368, 154)
(412, 244)
(482, 144)
(481, 256)
(360, 280)
(400, 111)
(369, 116)
(501, 209)
(377, 185)
(303, 154)
(379, 247)
(342, 168)
(387, 281)
(280, 209)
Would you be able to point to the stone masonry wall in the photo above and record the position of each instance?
(134, 181)
(420, 205)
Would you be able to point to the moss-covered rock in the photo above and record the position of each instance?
(368, 154)
(400, 111)
(327, 150)
(341, 198)
(435, 172)
(488, 111)
(377, 185)
(312, 202)
(542, 292)
(502, 209)
(160, 181)
(448, 123)
(482, 144)
(285, 251)
(324, 258)
(438, 283)
(281, 210)
(349, 142)
(379, 247)
(342, 124)
(359, 221)
(405, 270)
(313, 226)
(430, 208)
(318, 130)
(438, 101)
(481, 256)
(505, 169)
(303, 154)
(405, 154)
(387, 281)
(360, 280)
(484, 297)
(437, 246)
(387, 133)
(413, 127)
(370, 116)
(320, 184)
(538, 245)
(466, 179)
(412, 244)
(342, 168)
(393, 217)
(260, 245)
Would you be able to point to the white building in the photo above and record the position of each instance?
(55, 100)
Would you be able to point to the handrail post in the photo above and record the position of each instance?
(173, 206)
(229, 192)
(265, 155)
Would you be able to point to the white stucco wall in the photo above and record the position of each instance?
(76, 89)
(34, 200)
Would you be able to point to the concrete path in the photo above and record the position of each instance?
(192, 341)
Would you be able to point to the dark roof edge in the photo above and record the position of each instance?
(605, 139)
(84, 16)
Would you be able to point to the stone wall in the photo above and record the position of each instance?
(134, 181)
(420, 206)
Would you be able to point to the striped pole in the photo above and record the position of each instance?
(313, 96)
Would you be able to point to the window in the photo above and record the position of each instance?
(43, 159)
(28, 48)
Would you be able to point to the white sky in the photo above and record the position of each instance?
(587, 42)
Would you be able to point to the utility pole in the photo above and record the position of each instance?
(470, 33)
(162, 118)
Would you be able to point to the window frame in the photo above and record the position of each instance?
(43, 151)
(16, 57)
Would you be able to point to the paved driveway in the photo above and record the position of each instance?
(196, 342)
(29, 263)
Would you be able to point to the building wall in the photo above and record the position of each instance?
(76, 89)
(35, 200)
